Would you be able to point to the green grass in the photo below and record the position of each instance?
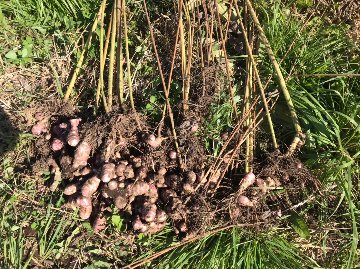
(35, 230)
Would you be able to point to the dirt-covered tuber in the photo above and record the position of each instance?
(82, 154)
(247, 181)
(90, 186)
(57, 144)
(107, 172)
(244, 201)
(73, 138)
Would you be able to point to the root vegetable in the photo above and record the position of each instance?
(141, 172)
(90, 186)
(172, 155)
(85, 171)
(71, 189)
(121, 201)
(270, 182)
(154, 141)
(39, 128)
(139, 188)
(120, 168)
(82, 154)
(85, 212)
(73, 138)
(107, 172)
(99, 224)
(162, 171)
(191, 177)
(187, 188)
(244, 201)
(138, 225)
(136, 162)
(160, 215)
(113, 185)
(148, 213)
(261, 184)
(57, 144)
(83, 201)
(194, 127)
(129, 172)
(153, 192)
(246, 182)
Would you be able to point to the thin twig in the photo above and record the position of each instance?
(166, 92)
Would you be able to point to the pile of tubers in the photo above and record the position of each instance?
(146, 196)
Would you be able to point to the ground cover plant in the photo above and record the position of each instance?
(181, 134)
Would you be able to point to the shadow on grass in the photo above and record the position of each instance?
(9, 134)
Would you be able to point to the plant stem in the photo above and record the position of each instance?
(257, 76)
(100, 87)
(112, 57)
(228, 72)
(119, 54)
(128, 63)
(82, 57)
(282, 82)
(166, 91)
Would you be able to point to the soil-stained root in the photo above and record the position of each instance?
(40, 127)
(242, 200)
(71, 189)
(73, 138)
(90, 186)
(107, 172)
(246, 182)
(82, 154)
(153, 141)
(57, 144)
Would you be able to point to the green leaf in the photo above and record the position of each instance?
(152, 99)
(25, 53)
(299, 225)
(11, 55)
(117, 221)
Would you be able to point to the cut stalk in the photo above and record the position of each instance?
(231, 88)
(286, 93)
(257, 76)
(166, 91)
(82, 56)
(119, 55)
(128, 63)
(112, 57)
(100, 87)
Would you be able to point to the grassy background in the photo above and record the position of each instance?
(43, 38)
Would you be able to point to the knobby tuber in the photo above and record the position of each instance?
(244, 201)
(107, 172)
(90, 186)
(57, 144)
(246, 182)
(39, 128)
(73, 138)
(82, 154)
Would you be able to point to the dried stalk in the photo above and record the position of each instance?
(166, 91)
(82, 56)
(119, 54)
(112, 57)
(257, 76)
(294, 118)
(231, 89)
(128, 63)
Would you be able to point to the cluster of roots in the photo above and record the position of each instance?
(115, 164)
